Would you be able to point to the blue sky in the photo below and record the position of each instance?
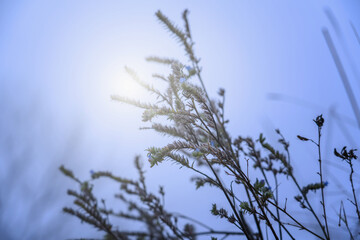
(62, 60)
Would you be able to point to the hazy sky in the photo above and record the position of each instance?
(62, 60)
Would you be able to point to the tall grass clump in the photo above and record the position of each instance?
(203, 145)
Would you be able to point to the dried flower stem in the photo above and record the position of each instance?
(353, 190)
(327, 236)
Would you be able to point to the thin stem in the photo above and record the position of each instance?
(243, 225)
(264, 214)
(255, 194)
(218, 232)
(308, 203)
(234, 159)
(244, 229)
(280, 223)
(277, 202)
(287, 214)
(322, 184)
(296, 221)
(344, 219)
(255, 217)
(353, 189)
